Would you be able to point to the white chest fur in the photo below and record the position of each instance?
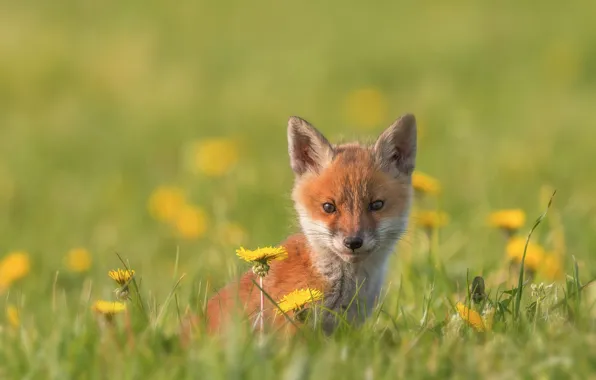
(354, 289)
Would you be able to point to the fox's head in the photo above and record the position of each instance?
(352, 200)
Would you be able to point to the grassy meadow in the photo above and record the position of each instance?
(156, 133)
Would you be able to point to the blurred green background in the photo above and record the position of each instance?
(102, 103)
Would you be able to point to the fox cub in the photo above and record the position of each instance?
(353, 202)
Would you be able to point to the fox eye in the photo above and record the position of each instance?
(376, 205)
(329, 208)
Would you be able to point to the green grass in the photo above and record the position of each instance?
(98, 103)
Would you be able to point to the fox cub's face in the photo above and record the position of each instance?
(352, 200)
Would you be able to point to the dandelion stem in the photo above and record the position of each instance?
(262, 302)
(129, 332)
(282, 312)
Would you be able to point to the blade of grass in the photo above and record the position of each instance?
(176, 262)
(520, 283)
(355, 298)
(468, 296)
(428, 300)
(178, 309)
(276, 305)
(161, 313)
(578, 286)
(54, 289)
(568, 296)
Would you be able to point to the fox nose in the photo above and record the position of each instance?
(353, 242)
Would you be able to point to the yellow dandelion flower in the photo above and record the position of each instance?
(121, 276)
(262, 255)
(552, 268)
(108, 307)
(510, 220)
(13, 267)
(534, 254)
(425, 184)
(166, 202)
(431, 219)
(12, 316)
(78, 260)
(191, 222)
(471, 317)
(297, 299)
(366, 107)
(213, 157)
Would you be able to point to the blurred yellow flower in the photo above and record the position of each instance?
(366, 107)
(191, 222)
(121, 276)
(13, 266)
(166, 202)
(213, 157)
(534, 253)
(431, 219)
(552, 268)
(297, 299)
(78, 260)
(12, 316)
(232, 233)
(108, 307)
(510, 220)
(425, 184)
(471, 317)
(262, 255)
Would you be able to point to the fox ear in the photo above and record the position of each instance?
(308, 148)
(395, 149)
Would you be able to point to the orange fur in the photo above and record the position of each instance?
(351, 181)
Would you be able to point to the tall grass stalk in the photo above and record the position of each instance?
(520, 282)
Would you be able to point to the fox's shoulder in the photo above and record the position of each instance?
(295, 272)
(297, 247)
